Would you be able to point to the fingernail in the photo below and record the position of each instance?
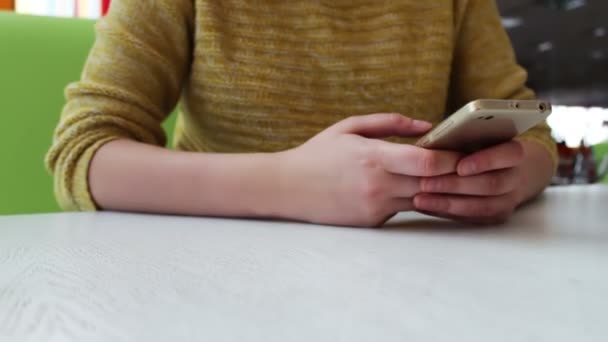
(421, 125)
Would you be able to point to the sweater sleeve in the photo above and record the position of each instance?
(484, 65)
(131, 81)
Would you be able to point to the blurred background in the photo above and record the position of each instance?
(564, 46)
(562, 43)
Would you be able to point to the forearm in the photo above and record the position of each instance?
(537, 169)
(130, 176)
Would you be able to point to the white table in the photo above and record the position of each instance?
(122, 277)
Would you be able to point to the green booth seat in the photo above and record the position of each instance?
(39, 56)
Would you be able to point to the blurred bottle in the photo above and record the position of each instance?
(105, 6)
(584, 165)
(565, 169)
(7, 5)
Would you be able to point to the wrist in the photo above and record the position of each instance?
(236, 185)
(275, 187)
(536, 170)
(284, 186)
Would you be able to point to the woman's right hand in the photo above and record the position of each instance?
(345, 175)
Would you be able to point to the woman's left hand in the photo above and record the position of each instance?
(489, 184)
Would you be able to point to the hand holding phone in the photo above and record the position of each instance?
(483, 123)
(495, 177)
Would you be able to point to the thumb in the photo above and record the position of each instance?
(381, 125)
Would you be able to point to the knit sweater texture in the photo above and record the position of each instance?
(263, 76)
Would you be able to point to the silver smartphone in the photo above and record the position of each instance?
(483, 123)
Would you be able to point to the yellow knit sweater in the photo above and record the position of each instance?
(267, 75)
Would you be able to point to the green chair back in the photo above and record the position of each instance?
(39, 56)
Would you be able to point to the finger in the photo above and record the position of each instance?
(415, 161)
(466, 206)
(402, 186)
(502, 156)
(382, 125)
(397, 205)
(394, 207)
(492, 183)
(473, 220)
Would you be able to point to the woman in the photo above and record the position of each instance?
(273, 96)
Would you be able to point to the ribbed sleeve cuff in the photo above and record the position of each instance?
(74, 193)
